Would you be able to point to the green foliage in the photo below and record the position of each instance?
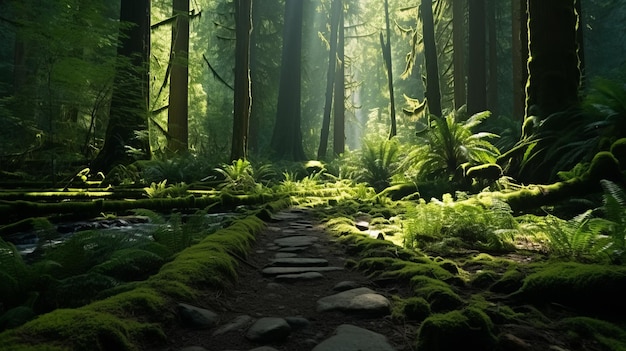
(449, 143)
(378, 162)
(443, 331)
(432, 225)
(238, 176)
(162, 190)
(609, 335)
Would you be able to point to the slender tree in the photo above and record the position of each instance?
(287, 136)
(433, 93)
(177, 117)
(242, 98)
(492, 49)
(129, 100)
(335, 12)
(339, 110)
(458, 39)
(477, 75)
(386, 48)
(519, 51)
(554, 65)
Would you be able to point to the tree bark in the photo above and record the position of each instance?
(433, 93)
(458, 43)
(339, 134)
(287, 136)
(335, 10)
(492, 83)
(242, 98)
(519, 57)
(177, 116)
(129, 100)
(553, 66)
(477, 76)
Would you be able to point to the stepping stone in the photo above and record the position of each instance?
(196, 317)
(295, 240)
(297, 270)
(297, 322)
(285, 255)
(264, 348)
(301, 277)
(358, 301)
(293, 249)
(350, 338)
(239, 323)
(269, 329)
(346, 285)
(298, 262)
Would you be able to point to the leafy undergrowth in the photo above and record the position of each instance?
(495, 281)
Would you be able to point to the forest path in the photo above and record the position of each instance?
(293, 294)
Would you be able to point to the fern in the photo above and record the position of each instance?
(612, 227)
(130, 264)
(379, 162)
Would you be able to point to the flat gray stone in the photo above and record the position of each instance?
(193, 348)
(285, 255)
(351, 338)
(346, 285)
(196, 317)
(358, 301)
(298, 262)
(269, 329)
(297, 322)
(295, 240)
(264, 348)
(301, 277)
(297, 270)
(292, 249)
(239, 323)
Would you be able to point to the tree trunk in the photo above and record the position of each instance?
(339, 134)
(335, 11)
(386, 47)
(255, 110)
(433, 93)
(554, 73)
(287, 137)
(458, 43)
(492, 84)
(242, 98)
(477, 76)
(580, 30)
(519, 53)
(177, 116)
(129, 100)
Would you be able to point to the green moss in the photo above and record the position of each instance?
(510, 281)
(89, 330)
(604, 166)
(141, 301)
(591, 287)
(490, 172)
(618, 149)
(484, 279)
(397, 192)
(411, 269)
(413, 308)
(470, 327)
(441, 298)
(449, 266)
(607, 334)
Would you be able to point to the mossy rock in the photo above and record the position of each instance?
(413, 308)
(589, 287)
(397, 192)
(491, 172)
(440, 298)
(510, 282)
(407, 270)
(604, 166)
(484, 279)
(610, 336)
(470, 328)
(449, 266)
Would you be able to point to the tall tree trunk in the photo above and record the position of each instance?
(129, 100)
(339, 134)
(458, 43)
(287, 137)
(335, 11)
(492, 83)
(255, 110)
(580, 30)
(386, 47)
(553, 66)
(242, 98)
(519, 56)
(477, 76)
(433, 93)
(177, 116)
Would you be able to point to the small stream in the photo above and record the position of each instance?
(139, 226)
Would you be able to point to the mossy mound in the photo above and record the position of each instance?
(413, 308)
(403, 271)
(484, 279)
(606, 334)
(588, 287)
(439, 294)
(510, 282)
(470, 328)
(618, 149)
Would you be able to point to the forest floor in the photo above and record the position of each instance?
(257, 295)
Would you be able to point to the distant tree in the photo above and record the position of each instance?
(177, 117)
(492, 51)
(519, 50)
(335, 13)
(459, 31)
(339, 110)
(287, 136)
(477, 75)
(242, 93)
(433, 93)
(386, 48)
(129, 101)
